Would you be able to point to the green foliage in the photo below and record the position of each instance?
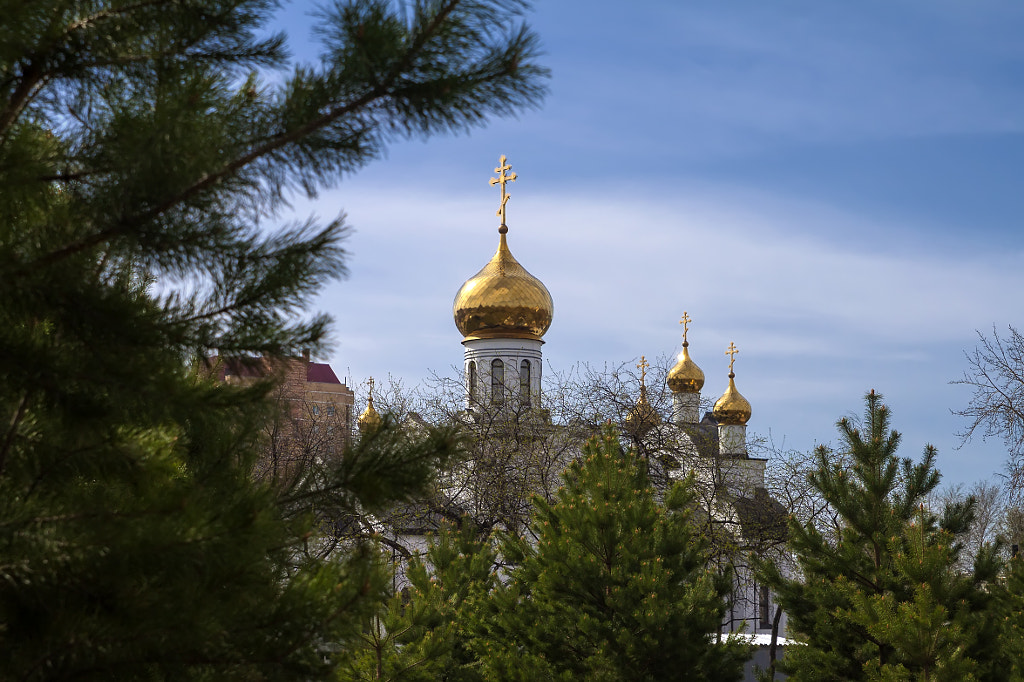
(1011, 610)
(424, 632)
(883, 600)
(143, 145)
(616, 587)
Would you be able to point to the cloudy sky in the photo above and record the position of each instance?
(835, 187)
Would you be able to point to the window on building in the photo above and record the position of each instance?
(763, 610)
(524, 382)
(472, 380)
(497, 382)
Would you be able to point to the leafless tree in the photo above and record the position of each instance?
(990, 516)
(741, 523)
(313, 455)
(297, 434)
(514, 451)
(995, 373)
(787, 479)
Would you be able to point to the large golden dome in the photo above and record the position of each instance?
(685, 376)
(732, 408)
(503, 300)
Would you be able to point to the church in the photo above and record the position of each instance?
(502, 313)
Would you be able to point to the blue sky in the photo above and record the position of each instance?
(835, 187)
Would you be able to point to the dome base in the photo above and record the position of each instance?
(501, 334)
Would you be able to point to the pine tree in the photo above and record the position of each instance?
(617, 586)
(425, 631)
(1010, 599)
(144, 149)
(883, 599)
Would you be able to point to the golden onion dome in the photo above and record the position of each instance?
(732, 408)
(685, 376)
(642, 417)
(503, 300)
(369, 420)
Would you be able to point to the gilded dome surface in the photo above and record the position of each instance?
(732, 408)
(643, 417)
(685, 376)
(369, 420)
(503, 300)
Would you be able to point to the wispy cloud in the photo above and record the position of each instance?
(818, 321)
(714, 78)
(810, 180)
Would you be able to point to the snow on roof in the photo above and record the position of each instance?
(764, 640)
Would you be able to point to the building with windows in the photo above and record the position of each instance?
(311, 390)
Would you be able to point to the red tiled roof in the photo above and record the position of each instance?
(321, 373)
(316, 372)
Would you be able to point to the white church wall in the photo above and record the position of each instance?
(482, 353)
(685, 408)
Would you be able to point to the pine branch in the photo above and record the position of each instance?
(12, 429)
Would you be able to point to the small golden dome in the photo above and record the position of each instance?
(732, 408)
(643, 417)
(685, 376)
(503, 300)
(369, 420)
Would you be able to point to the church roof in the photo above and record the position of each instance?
(503, 300)
(763, 518)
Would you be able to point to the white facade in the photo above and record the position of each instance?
(732, 440)
(497, 371)
(685, 408)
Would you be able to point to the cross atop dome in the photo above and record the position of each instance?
(643, 370)
(501, 180)
(370, 419)
(685, 321)
(503, 312)
(503, 300)
(731, 352)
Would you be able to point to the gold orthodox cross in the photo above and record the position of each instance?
(501, 180)
(643, 369)
(733, 350)
(371, 389)
(686, 325)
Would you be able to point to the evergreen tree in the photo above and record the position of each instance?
(425, 631)
(617, 586)
(1010, 598)
(882, 600)
(144, 147)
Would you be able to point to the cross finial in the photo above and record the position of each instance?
(370, 382)
(685, 321)
(502, 179)
(733, 350)
(643, 369)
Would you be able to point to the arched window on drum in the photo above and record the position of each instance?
(524, 382)
(497, 382)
